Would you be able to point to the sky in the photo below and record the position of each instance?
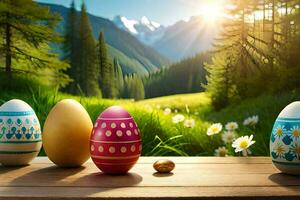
(165, 12)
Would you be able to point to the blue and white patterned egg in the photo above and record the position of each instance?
(20, 133)
(285, 140)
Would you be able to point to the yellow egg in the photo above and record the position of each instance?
(66, 134)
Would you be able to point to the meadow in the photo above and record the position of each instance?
(155, 118)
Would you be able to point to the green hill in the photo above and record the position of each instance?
(133, 56)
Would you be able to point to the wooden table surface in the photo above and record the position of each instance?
(193, 177)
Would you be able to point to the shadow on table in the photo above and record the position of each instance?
(74, 181)
(10, 169)
(285, 179)
(47, 176)
(156, 174)
(100, 179)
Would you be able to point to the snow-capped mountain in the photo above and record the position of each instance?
(145, 30)
(181, 40)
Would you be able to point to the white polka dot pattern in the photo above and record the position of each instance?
(100, 149)
(132, 148)
(123, 149)
(128, 132)
(108, 133)
(123, 125)
(112, 149)
(119, 133)
(103, 125)
(113, 125)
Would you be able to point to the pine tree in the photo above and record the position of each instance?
(106, 68)
(138, 90)
(119, 80)
(133, 87)
(87, 55)
(219, 79)
(71, 48)
(26, 29)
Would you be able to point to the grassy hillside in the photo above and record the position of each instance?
(160, 135)
(129, 65)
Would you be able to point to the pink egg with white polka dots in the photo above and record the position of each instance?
(115, 143)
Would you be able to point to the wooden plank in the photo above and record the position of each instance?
(193, 177)
(264, 193)
(187, 160)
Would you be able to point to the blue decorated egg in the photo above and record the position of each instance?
(285, 140)
(20, 133)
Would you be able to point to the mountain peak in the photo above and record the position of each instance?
(150, 24)
(145, 30)
(127, 24)
(136, 26)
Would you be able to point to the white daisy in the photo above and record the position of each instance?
(178, 118)
(280, 149)
(190, 123)
(221, 152)
(251, 120)
(279, 131)
(228, 136)
(295, 132)
(295, 150)
(242, 143)
(230, 126)
(214, 129)
(167, 111)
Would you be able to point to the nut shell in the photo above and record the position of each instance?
(164, 166)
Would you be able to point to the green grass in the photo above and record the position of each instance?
(160, 136)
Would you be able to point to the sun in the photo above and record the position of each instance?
(212, 12)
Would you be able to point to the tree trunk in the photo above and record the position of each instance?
(8, 49)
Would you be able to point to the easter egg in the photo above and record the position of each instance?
(285, 140)
(20, 133)
(115, 141)
(66, 134)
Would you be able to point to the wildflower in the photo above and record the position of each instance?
(167, 111)
(178, 118)
(214, 129)
(230, 126)
(228, 136)
(190, 123)
(196, 113)
(176, 111)
(221, 152)
(158, 106)
(251, 121)
(243, 143)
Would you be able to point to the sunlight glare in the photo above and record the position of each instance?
(212, 12)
